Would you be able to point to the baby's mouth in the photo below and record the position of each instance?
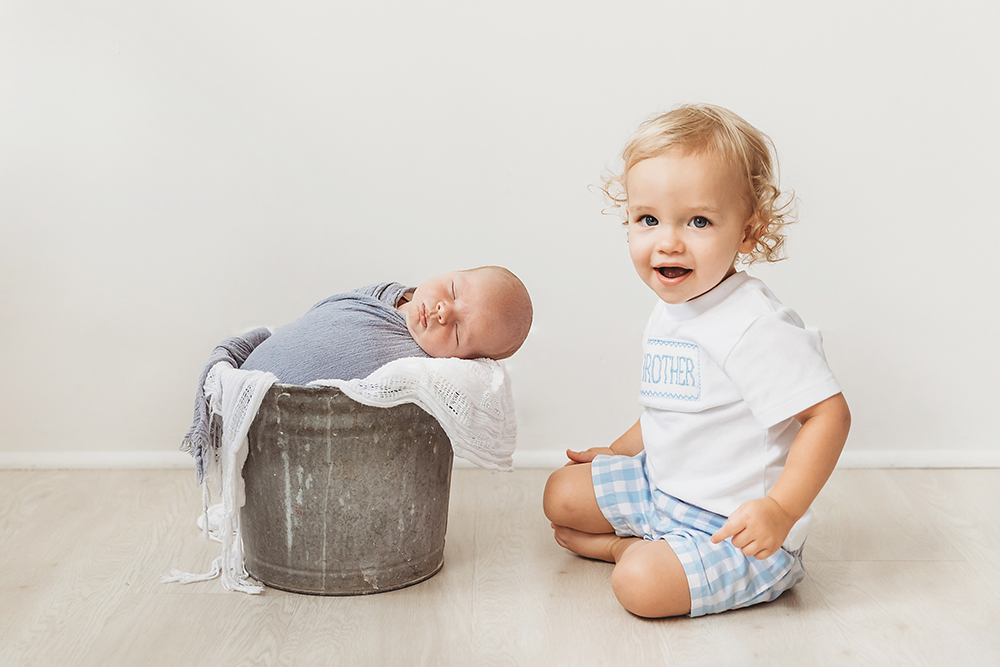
(672, 272)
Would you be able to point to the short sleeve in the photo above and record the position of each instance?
(780, 369)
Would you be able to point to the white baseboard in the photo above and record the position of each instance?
(134, 460)
(884, 458)
(928, 458)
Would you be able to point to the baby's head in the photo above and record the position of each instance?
(704, 129)
(483, 312)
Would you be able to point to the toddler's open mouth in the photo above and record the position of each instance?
(672, 272)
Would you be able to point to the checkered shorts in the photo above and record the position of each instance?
(719, 575)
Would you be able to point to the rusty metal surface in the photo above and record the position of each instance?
(342, 498)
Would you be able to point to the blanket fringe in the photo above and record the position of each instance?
(230, 581)
(179, 577)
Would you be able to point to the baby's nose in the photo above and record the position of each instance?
(443, 311)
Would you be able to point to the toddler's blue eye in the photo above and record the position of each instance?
(648, 221)
(699, 222)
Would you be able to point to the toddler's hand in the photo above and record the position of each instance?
(587, 455)
(758, 527)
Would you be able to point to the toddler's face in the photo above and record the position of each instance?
(686, 223)
(450, 315)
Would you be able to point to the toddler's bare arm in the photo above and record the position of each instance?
(629, 444)
(759, 527)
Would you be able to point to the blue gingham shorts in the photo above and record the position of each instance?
(719, 575)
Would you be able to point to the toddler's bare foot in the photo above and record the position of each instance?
(605, 546)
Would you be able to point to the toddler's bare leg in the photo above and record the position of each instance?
(648, 578)
(570, 501)
(650, 581)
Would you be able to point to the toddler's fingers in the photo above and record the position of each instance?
(585, 456)
(733, 526)
(727, 530)
(758, 551)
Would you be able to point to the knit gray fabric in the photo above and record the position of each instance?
(199, 439)
(344, 337)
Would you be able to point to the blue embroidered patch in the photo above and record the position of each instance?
(671, 369)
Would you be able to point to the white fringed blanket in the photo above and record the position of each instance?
(471, 399)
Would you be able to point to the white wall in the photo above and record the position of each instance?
(175, 172)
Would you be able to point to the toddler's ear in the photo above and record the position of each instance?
(749, 241)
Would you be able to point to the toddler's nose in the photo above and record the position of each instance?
(668, 240)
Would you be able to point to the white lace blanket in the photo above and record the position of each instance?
(471, 399)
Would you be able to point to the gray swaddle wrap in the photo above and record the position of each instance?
(343, 337)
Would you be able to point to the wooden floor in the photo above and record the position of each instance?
(903, 569)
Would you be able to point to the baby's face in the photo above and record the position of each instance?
(451, 316)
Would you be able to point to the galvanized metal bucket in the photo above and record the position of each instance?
(343, 498)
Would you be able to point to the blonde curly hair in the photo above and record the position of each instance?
(697, 128)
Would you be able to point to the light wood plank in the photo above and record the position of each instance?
(902, 570)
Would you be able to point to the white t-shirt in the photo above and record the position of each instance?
(723, 376)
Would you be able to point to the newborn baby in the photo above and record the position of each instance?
(483, 312)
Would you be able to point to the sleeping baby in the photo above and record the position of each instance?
(478, 313)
